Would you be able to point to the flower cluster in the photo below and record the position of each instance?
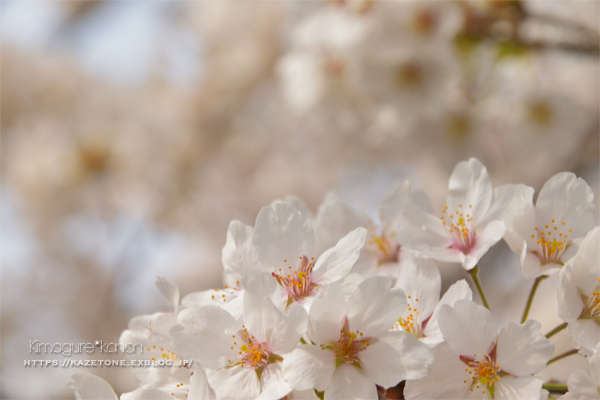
(334, 307)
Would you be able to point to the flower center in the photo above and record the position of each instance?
(348, 346)
(410, 321)
(552, 242)
(383, 245)
(485, 374)
(297, 282)
(459, 225)
(253, 353)
(592, 308)
(540, 113)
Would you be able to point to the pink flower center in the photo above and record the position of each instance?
(253, 353)
(459, 225)
(297, 282)
(348, 346)
(552, 242)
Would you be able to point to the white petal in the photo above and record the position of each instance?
(281, 236)
(309, 367)
(228, 299)
(397, 197)
(520, 227)
(489, 236)
(471, 184)
(420, 279)
(582, 386)
(532, 267)
(91, 387)
(570, 303)
(147, 394)
(199, 387)
(589, 251)
(420, 230)
(522, 349)
(149, 331)
(579, 278)
(263, 285)
(269, 324)
(272, 384)
(469, 329)
(458, 291)
(446, 380)
(239, 255)
(511, 388)
(327, 315)
(169, 290)
(350, 283)
(335, 219)
(235, 382)
(297, 203)
(335, 263)
(595, 364)
(206, 335)
(349, 383)
(586, 333)
(395, 357)
(374, 308)
(509, 201)
(567, 198)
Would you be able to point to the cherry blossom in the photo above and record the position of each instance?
(353, 348)
(420, 280)
(285, 243)
(471, 221)
(478, 362)
(243, 357)
(546, 235)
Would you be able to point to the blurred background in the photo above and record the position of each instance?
(133, 132)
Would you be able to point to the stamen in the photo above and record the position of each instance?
(551, 243)
(298, 284)
(348, 346)
(461, 231)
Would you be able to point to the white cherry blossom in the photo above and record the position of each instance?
(243, 357)
(285, 243)
(546, 235)
(353, 348)
(470, 223)
(421, 281)
(382, 254)
(478, 362)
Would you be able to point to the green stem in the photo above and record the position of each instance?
(556, 330)
(531, 296)
(475, 275)
(556, 387)
(561, 356)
